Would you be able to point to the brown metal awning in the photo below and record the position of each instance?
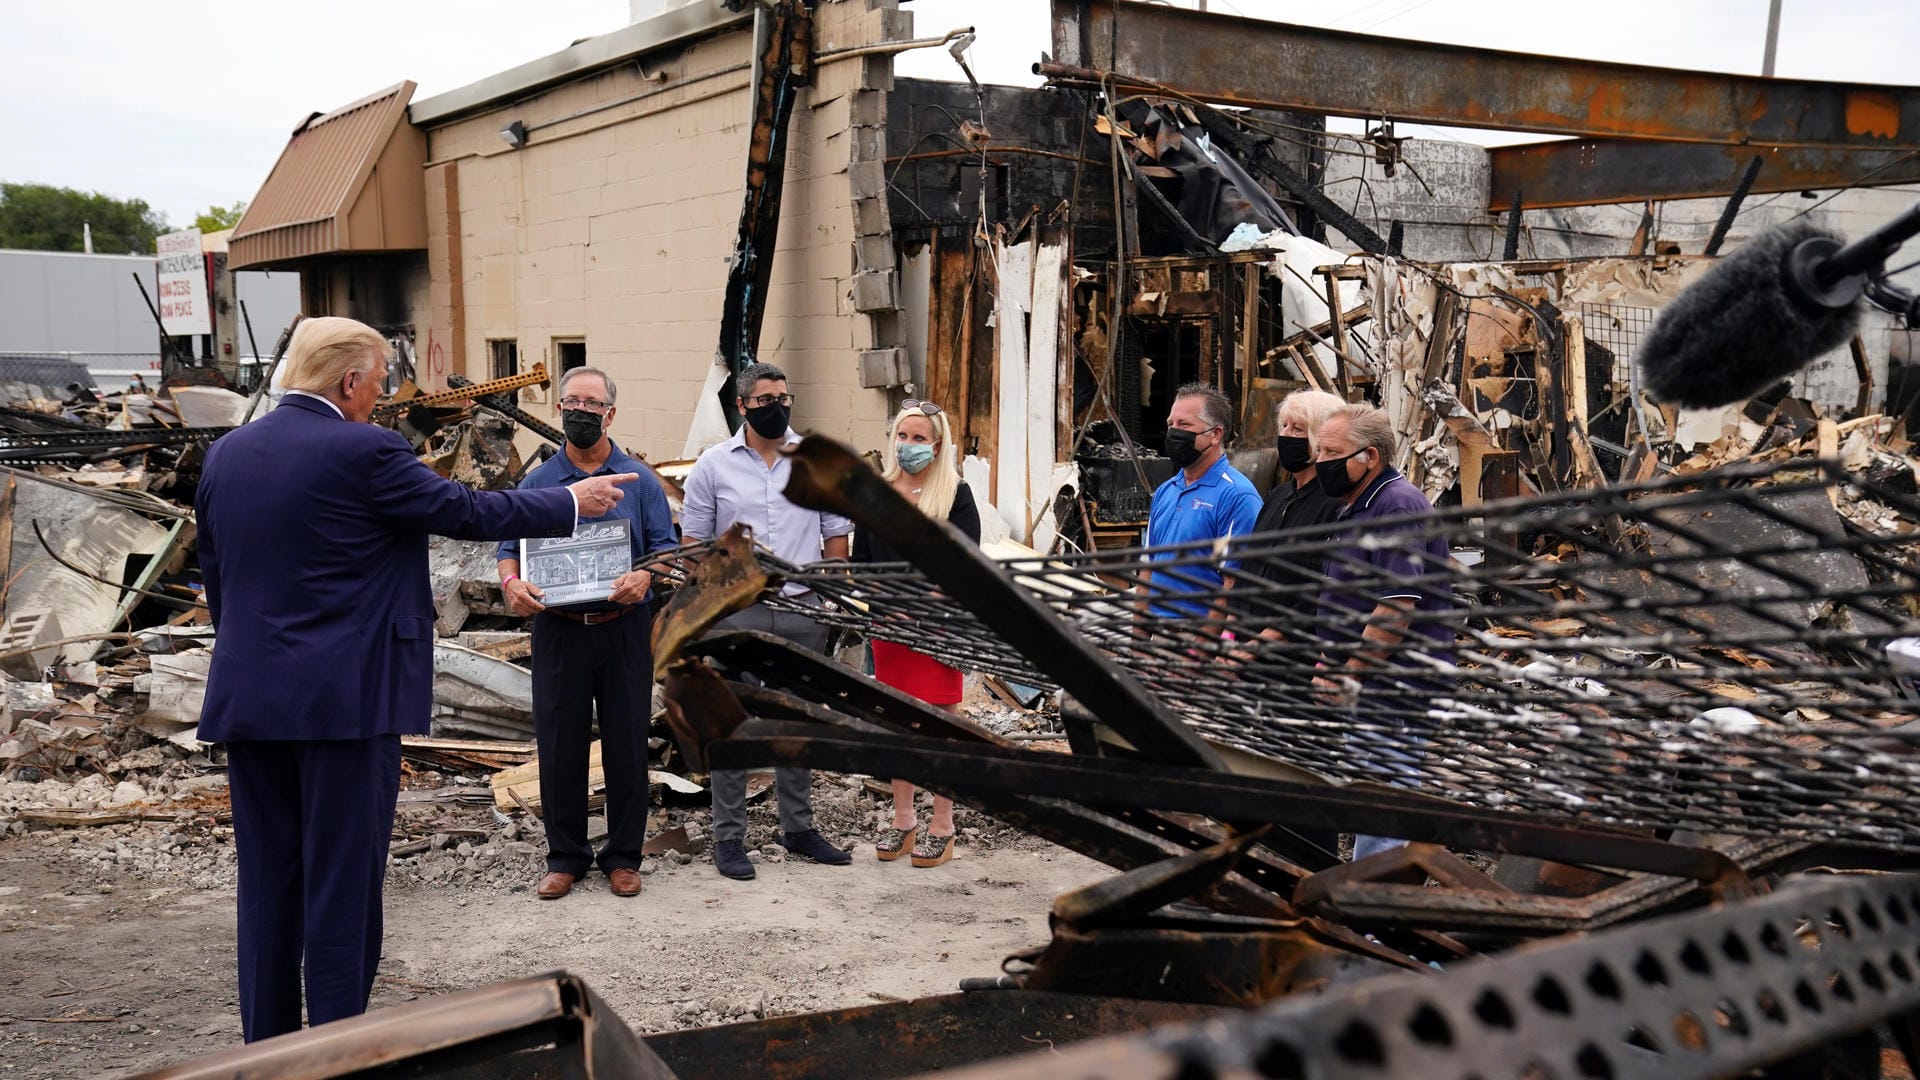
(352, 180)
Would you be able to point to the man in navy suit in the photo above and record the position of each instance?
(313, 531)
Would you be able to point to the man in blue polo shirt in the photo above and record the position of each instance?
(593, 652)
(1206, 500)
(1387, 600)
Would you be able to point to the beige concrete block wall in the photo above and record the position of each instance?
(616, 226)
(443, 347)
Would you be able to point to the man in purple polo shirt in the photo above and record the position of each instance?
(1383, 596)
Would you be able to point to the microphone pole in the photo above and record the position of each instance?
(1873, 249)
(1831, 276)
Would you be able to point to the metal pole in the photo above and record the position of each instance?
(253, 347)
(266, 377)
(1773, 38)
(1732, 209)
(166, 342)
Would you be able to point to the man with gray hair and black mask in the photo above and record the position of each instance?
(743, 481)
(592, 655)
(1386, 613)
(1207, 499)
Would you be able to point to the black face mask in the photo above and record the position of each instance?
(1180, 447)
(769, 421)
(1333, 475)
(1295, 454)
(583, 428)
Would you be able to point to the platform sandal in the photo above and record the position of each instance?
(894, 843)
(932, 850)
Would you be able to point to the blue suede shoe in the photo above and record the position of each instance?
(730, 858)
(814, 846)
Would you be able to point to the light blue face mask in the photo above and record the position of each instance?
(914, 457)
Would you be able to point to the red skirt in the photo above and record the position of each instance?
(916, 673)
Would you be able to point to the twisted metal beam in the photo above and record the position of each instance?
(1720, 652)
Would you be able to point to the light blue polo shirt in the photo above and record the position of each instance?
(1222, 502)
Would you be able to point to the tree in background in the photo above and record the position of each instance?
(215, 218)
(41, 217)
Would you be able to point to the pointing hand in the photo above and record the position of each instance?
(599, 494)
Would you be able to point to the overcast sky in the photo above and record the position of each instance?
(187, 104)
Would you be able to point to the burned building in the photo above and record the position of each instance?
(1051, 262)
(583, 209)
(1656, 691)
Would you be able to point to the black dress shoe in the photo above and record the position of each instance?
(814, 846)
(730, 858)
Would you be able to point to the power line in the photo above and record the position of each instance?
(1857, 181)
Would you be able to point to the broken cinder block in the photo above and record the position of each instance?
(884, 367)
(873, 253)
(873, 290)
(465, 579)
(868, 178)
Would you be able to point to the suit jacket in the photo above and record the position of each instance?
(313, 544)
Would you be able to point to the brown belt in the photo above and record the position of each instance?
(595, 618)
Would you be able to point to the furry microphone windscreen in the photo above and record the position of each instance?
(1741, 328)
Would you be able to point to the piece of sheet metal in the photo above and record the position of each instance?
(1701, 996)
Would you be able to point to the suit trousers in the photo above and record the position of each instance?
(793, 788)
(579, 669)
(311, 824)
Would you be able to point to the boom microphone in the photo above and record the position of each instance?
(1768, 310)
(1762, 313)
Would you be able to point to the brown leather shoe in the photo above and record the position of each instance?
(555, 885)
(626, 881)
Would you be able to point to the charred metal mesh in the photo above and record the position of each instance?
(1721, 652)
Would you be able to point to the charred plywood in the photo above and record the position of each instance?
(1034, 148)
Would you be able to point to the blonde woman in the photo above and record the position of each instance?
(1298, 500)
(920, 464)
(1294, 502)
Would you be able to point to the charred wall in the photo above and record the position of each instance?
(1035, 135)
(1038, 143)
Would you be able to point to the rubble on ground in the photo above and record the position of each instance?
(162, 813)
(105, 646)
(100, 765)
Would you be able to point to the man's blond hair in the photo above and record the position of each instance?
(327, 349)
(1369, 427)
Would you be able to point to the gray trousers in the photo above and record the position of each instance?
(793, 788)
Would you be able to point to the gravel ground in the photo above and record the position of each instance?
(118, 939)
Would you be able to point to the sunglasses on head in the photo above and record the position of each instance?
(927, 407)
